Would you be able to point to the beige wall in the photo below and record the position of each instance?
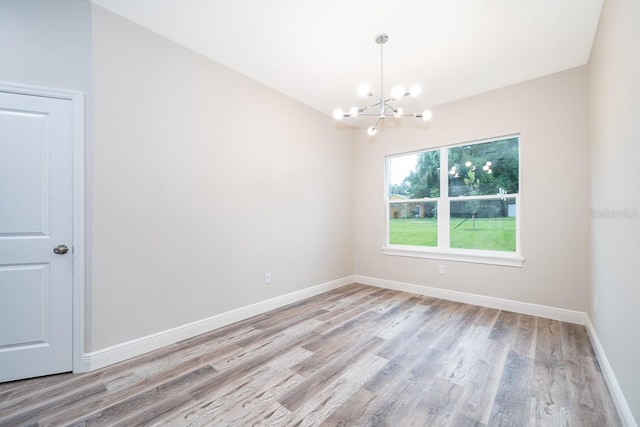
(614, 117)
(203, 180)
(550, 114)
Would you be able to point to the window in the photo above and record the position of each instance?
(459, 202)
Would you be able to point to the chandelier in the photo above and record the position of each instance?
(383, 105)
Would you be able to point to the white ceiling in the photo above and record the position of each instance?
(318, 52)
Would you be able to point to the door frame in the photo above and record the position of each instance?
(77, 99)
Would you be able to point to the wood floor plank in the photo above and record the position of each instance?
(351, 410)
(248, 367)
(245, 398)
(327, 374)
(461, 420)
(487, 317)
(155, 411)
(575, 345)
(86, 386)
(512, 405)
(326, 401)
(239, 402)
(433, 407)
(463, 358)
(122, 410)
(504, 327)
(354, 356)
(586, 405)
(394, 386)
(343, 333)
(483, 380)
(548, 414)
(136, 383)
(12, 390)
(405, 320)
(524, 338)
(31, 412)
(268, 344)
(551, 386)
(549, 342)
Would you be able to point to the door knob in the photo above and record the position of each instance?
(60, 249)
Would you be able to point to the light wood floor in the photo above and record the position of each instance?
(356, 356)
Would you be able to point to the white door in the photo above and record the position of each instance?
(36, 142)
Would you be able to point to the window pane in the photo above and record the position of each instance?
(483, 224)
(414, 176)
(484, 169)
(413, 224)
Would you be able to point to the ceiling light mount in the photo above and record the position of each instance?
(384, 104)
(382, 38)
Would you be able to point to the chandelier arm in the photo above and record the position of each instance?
(370, 106)
(389, 107)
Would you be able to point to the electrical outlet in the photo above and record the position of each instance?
(442, 269)
(267, 278)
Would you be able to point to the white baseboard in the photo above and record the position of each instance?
(563, 315)
(614, 388)
(117, 353)
(139, 346)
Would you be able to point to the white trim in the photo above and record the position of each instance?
(547, 312)
(78, 209)
(22, 89)
(479, 257)
(79, 204)
(119, 352)
(614, 388)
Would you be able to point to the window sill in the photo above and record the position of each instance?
(480, 257)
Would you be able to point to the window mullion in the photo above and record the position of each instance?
(443, 202)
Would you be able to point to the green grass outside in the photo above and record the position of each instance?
(416, 232)
(493, 234)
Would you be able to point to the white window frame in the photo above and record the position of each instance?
(443, 251)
